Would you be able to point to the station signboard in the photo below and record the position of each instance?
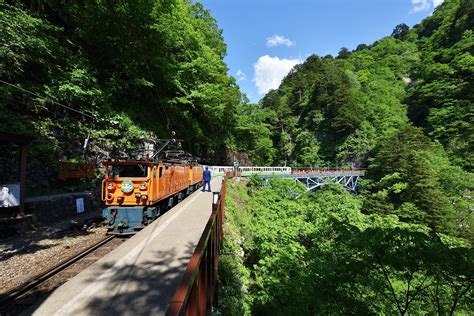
(69, 170)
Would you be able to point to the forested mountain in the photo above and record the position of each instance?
(401, 107)
(90, 79)
(441, 101)
(132, 67)
(338, 110)
(152, 66)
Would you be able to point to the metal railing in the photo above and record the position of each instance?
(197, 292)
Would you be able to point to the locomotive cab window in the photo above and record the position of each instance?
(127, 171)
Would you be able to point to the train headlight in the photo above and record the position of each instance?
(110, 196)
(111, 186)
(143, 186)
(120, 199)
(144, 197)
(137, 195)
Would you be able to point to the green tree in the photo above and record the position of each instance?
(440, 101)
(401, 31)
(409, 168)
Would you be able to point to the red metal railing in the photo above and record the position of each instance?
(197, 292)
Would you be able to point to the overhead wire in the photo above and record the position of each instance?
(162, 111)
(160, 104)
(86, 141)
(47, 99)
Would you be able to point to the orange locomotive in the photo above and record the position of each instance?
(137, 192)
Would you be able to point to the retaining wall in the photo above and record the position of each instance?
(54, 208)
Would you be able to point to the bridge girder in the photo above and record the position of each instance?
(314, 181)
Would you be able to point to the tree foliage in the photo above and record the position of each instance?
(441, 99)
(349, 105)
(402, 107)
(321, 255)
(132, 67)
(411, 176)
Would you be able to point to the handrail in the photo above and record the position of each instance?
(197, 292)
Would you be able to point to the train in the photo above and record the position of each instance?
(247, 171)
(135, 193)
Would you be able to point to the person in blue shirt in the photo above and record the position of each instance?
(206, 179)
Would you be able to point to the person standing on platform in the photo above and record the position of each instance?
(206, 179)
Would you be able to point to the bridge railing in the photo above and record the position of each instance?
(197, 292)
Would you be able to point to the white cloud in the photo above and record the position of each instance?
(270, 71)
(424, 5)
(277, 40)
(241, 75)
(420, 5)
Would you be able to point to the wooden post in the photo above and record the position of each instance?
(22, 178)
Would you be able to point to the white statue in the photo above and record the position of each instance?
(7, 199)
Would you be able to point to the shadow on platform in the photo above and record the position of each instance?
(144, 288)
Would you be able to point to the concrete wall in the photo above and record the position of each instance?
(47, 210)
(54, 208)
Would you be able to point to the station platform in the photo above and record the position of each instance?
(141, 275)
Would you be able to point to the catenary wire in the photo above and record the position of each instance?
(47, 99)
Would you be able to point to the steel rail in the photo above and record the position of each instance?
(37, 280)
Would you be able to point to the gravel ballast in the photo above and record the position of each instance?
(23, 257)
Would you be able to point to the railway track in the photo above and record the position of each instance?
(34, 291)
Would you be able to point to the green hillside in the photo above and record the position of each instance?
(338, 110)
(322, 254)
(402, 107)
(91, 79)
(135, 67)
(132, 69)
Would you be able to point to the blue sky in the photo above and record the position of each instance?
(266, 38)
